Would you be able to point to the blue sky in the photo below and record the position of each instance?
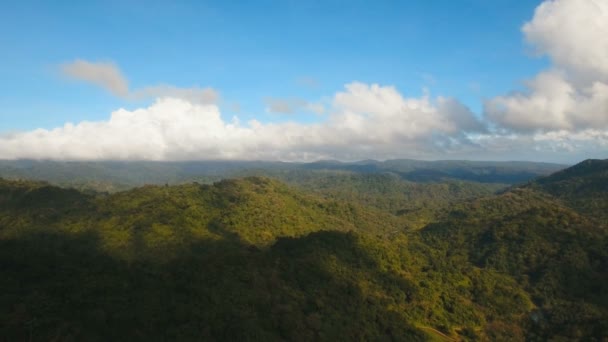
(443, 79)
(251, 50)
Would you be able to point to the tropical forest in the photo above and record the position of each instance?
(306, 253)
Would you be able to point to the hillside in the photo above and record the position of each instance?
(255, 259)
(558, 256)
(191, 262)
(583, 187)
(255, 210)
(415, 204)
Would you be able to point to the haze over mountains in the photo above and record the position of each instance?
(124, 174)
(343, 255)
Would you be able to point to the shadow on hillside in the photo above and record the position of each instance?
(59, 287)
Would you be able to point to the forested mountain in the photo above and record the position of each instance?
(255, 259)
(415, 204)
(582, 187)
(558, 257)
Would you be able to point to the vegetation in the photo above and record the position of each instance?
(255, 259)
(582, 187)
(557, 256)
(416, 204)
(112, 176)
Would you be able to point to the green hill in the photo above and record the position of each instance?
(416, 204)
(558, 256)
(255, 259)
(191, 262)
(255, 210)
(583, 187)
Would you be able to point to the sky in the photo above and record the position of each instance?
(304, 80)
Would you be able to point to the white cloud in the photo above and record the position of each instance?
(574, 33)
(108, 76)
(103, 74)
(366, 120)
(573, 94)
(385, 110)
(562, 115)
(551, 103)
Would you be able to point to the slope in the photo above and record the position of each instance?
(246, 259)
(583, 187)
(253, 259)
(557, 255)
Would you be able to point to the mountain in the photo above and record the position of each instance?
(114, 176)
(255, 210)
(256, 259)
(583, 187)
(551, 236)
(245, 259)
(416, 204)
(558, 256)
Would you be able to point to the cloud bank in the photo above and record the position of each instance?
(562, 114)
(365, 120)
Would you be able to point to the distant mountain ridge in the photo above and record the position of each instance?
(120, 175)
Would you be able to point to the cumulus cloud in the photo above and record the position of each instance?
(365, 120)
(574, 33)
(102, 74)
(108, 76)
(561, 115)
(552, 103)
(573, 94)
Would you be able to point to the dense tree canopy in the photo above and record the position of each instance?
(349, 259)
